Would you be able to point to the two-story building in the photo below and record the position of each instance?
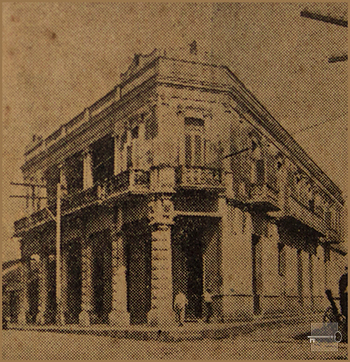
(176, 180)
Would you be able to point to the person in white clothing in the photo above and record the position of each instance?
(208, 302)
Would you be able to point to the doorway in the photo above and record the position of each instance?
(138, 258)
(194, 261)
(256, 273)
(187, 254)
(102, 277)
(74, 282)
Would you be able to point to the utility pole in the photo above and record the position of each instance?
(59, 312)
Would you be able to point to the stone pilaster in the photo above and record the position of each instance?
(161, 219)
(24, 303)
(43, 290)
(86, 287)
(119, 314)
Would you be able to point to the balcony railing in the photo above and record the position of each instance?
(82, 199)
(263, 197)
(198, 177)
(131, 180)
(37, 218)
(298, 211)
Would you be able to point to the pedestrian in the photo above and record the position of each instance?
(343, 293)
(180, 307)
(208, 302)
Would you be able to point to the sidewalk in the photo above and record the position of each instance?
(190, 331)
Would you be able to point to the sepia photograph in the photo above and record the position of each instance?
(174, 180)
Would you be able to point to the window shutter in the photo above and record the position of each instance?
(188, 151)
(271, 171)
(128, 157)
(260, 172)
(197, 150)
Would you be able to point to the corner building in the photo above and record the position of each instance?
(153, 206)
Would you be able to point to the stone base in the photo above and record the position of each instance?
(22, 317)
(156, 317)
(60, 319)
(40, 318)
(119, 318)
(84, 318)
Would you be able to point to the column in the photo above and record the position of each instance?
(119, 314)
(87, 170)
(161, 219)
(87, 286)
(62, 302)
(43, 290)
(24, 303)
(236, 265)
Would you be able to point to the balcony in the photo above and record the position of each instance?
(262, 198)
(36, 219)
(199, 178)
(136, 181)
(82, 199)
(297, 214)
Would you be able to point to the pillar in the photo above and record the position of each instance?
(236, 265)
(119, 314)
(62, 303)
(161, 218)
(43, 290)
(87, 286)
(24, 303)
(87, 170)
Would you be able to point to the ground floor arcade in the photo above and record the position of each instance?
(125, 263)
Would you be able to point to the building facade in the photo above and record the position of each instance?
(177, 180)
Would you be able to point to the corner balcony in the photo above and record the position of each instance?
(199, 178)
(133, 181)
(262, 198)
(297, 215)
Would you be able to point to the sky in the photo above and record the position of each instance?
(59, 58)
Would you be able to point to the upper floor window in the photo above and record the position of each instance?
(74, 173)
(103, 158)
(194, 142)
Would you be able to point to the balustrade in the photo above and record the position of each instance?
(198, 177)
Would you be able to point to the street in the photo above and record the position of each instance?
(289, 342)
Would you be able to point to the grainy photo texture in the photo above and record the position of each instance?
(175, 181)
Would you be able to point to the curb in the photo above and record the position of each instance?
(217, 331)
